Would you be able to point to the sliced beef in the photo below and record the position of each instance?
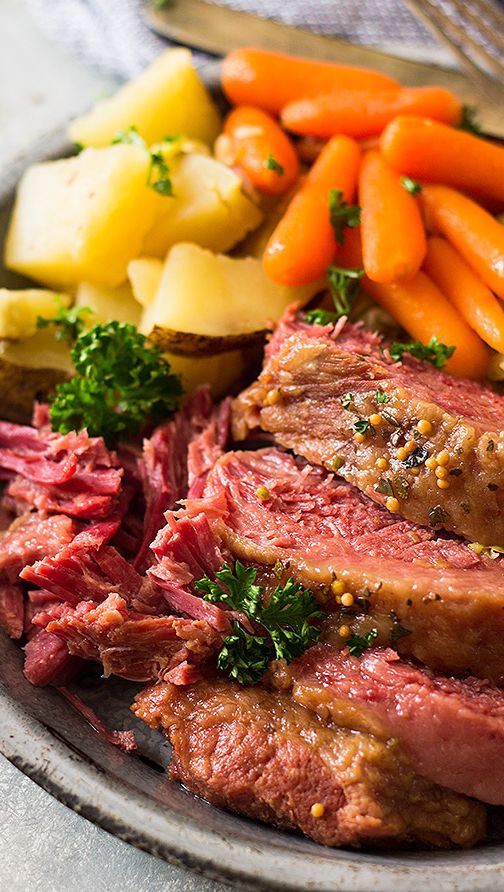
(446, 602)
(47, 660)
(129, 644)
(452, 731)
(264, 756)
(30, 538)
(205, 449)
(163, 466)
(70, 474)
(317, 384)
(11, 609)
(124, 740)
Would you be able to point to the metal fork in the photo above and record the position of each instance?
(473, 29)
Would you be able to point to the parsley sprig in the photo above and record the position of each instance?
(69, 323)
(286, 622)
(434, 351)
(121, 383)
(344, 284)
(357, 644)
(342, 214)
(158, 176)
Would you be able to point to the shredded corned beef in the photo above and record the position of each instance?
(124, 740)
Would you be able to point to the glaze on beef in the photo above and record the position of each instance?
(448, 599)
(262, 755)
(326, 381)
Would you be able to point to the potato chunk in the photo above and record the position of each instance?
(19, 310)
(167, 98)
(81, 218)
(217, 296)
(208, 208)
(107, 304)
(221, 372)
(144, 275)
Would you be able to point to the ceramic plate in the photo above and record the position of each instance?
(131, 796)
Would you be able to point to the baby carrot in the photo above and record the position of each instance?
(393, 235)
(362, 113)
(303, 244)
(431, 151)
(270, 80)
(474, 301)
(261, 149)
(420, 308)
(476, 235)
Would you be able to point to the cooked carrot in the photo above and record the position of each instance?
(309, 149)
(261, 149)
(465, 290)
(420, 308)
(362, 113)
(476, 235)
(270, 80)
(393, 235)
(427, 150)
(304, 243)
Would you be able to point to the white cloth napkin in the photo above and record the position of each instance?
(112, 35)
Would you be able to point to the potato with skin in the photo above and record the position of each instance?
(19, 310)
(167, 98)
(208, 207)
(107, 304)
(82, 218)
(29, 370)
(215, 300)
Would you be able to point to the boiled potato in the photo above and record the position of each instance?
(168, 97)
(221, 372)
(214, 297)
(208, 208)
(107, 304)
(82, 218)
(144, 275)
(19, 310)
(29, 370)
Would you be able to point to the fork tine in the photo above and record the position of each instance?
(459, 39)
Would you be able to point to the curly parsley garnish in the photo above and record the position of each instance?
(121, 383)
(286, 623)
(342, 214)
(434, 351)
(158, 176)
(68, 321)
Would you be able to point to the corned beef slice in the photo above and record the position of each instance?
(47, 660)
(129, 644)
(452, 731)
(449, 599)
(70, 474)
(11, 609)
(314, 368)
(124, 740)
(30, 538)
(163, 466)
(260, 754)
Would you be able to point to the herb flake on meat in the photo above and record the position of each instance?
(357, 644)
(416, 458)
(438, 515)
(434, 351)
(286, 622)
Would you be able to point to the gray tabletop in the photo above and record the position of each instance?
(44, 846)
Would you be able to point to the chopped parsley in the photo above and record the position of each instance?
(344, 284)
(286, 623)
(398, 630)
(362, 426)
(272, 164)
(121, 383)
(158, 175)
(381, 397)
(434, 351)
(347, 400)
(416, 458)
(320, 316)
(469, 121)
(357, 644)
(342, 214)
(68, 321)
(411, 186)
(438, 515)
